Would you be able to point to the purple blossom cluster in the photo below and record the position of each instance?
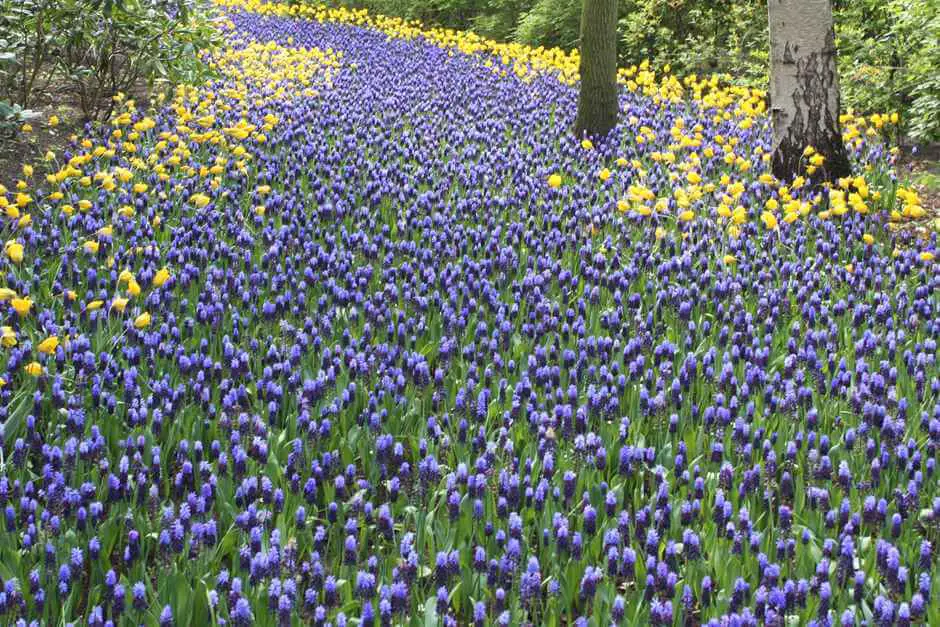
(420, 381)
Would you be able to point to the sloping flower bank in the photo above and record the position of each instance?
(357, 333)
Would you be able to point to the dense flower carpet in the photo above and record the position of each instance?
(358, 333)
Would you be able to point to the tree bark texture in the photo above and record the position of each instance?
(597, 102)
(804, 89)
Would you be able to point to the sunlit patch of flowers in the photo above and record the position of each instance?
(357, 333)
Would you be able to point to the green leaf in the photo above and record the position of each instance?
(430, 612)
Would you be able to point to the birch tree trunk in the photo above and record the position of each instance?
(804, 89)
(597, 101)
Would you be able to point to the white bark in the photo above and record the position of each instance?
(804, 86)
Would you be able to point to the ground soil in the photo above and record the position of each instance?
(30, 148)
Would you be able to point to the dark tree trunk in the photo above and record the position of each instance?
(597, 101)
(804, 90)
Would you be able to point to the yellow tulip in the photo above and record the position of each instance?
(161, 277)
(554, 181)
(8, 337)
(868, 239)
(34, 369)
(15, 252)
(142, 321)
(119, 304)
(22, 305)
(48, 345)
(769, 220)
(200, 200)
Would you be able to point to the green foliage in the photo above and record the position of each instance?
(695, 37)
(12, 116)
(114, 48)
(889, 50)
(890, 61)
(94, 49)
(26, 44)
(551, 23)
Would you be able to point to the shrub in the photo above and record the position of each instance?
(95, 49)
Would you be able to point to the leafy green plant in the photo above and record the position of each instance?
(114, 48)
(94, 49)
(12, 116)
(26, 46)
